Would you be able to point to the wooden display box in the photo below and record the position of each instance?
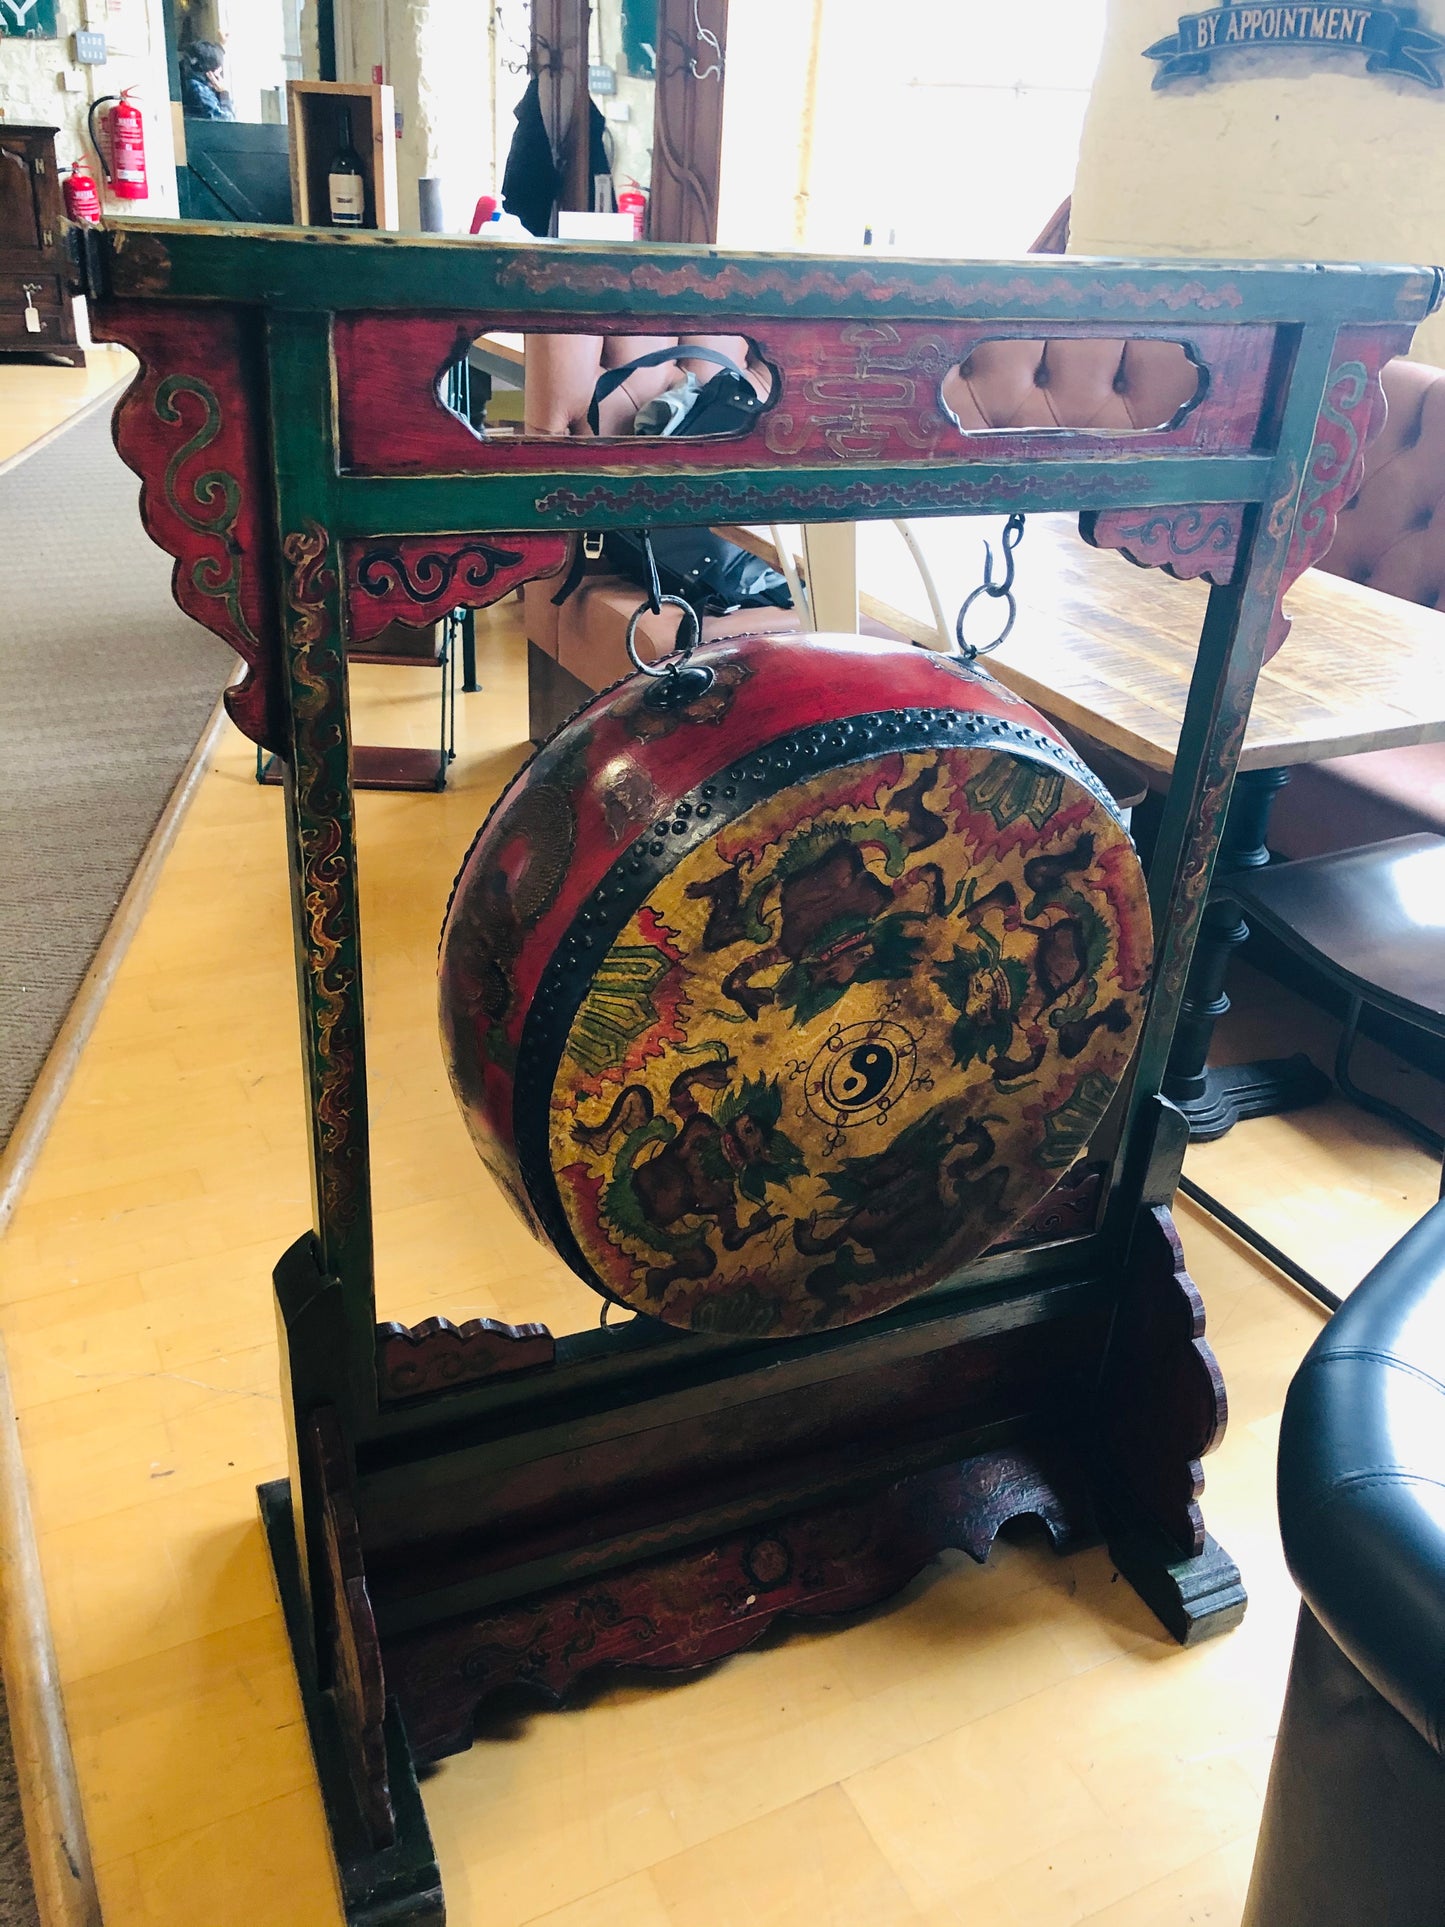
(312, 111)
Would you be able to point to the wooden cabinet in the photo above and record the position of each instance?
(34, 264)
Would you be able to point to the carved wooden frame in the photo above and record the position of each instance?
(479, 1506)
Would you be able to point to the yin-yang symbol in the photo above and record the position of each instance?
(859, 1073)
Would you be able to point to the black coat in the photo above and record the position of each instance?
(532, 179)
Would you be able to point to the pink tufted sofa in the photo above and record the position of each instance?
(1391, 536)
(1109, 385)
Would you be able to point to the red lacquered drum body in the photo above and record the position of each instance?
(772, 1007)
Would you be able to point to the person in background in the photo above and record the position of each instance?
(203, 92)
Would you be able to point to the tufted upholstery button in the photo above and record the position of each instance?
(1110, 386)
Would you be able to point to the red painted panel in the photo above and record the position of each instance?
(1183, 542)
(855, 391)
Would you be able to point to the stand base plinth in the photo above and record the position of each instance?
(1194, 1598)
(1234, 1093)
(395, 1886)
(684, 1611)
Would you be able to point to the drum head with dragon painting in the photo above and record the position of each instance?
(841, 1043)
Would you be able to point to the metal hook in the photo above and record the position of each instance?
(706, 37)
(507, 36)
(654, 581)
(1003, 591)
(1012, 536)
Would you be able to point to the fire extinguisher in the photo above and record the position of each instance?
(125, 166)
(631, 200)
(82, 198)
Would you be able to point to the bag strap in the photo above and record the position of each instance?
(575, 568)
(614, 377)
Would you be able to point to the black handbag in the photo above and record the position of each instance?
(714, 576)
(724, 405)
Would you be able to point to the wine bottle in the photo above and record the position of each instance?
(345, 182)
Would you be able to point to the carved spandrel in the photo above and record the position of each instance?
(1070, 1210)
(682, 1612)
(1199, 540)
(190, 427)
(419, 579)
(1162, 1404)
(1351, 414)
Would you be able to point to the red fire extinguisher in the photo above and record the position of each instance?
(82, 198)
(125, 165)
(631, 200)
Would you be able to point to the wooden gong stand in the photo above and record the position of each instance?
(477, 1507)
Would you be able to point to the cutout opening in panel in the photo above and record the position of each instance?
(705, 387)
(1078, 385)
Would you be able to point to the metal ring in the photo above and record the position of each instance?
(666, 667)
(969, 650)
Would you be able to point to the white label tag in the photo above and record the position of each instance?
(347, 194)
(32, 320)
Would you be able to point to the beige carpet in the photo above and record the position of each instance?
(17, 1896)
(104, 690)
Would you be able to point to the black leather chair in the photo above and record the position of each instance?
(1353, 1833)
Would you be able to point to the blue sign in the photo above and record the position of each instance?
(1389, 36)
(29, 19)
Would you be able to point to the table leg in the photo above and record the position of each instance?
(469, 651)
(1213, 1098)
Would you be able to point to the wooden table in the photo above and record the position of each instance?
(1107, 651)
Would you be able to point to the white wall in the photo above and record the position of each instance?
(953, 123)
(1299, 154)
(437, 56)
(254, 34)
(31, 72)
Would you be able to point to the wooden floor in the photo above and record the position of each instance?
(36, 397)
(1013, 1746)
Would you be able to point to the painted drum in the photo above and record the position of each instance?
(774, 994)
